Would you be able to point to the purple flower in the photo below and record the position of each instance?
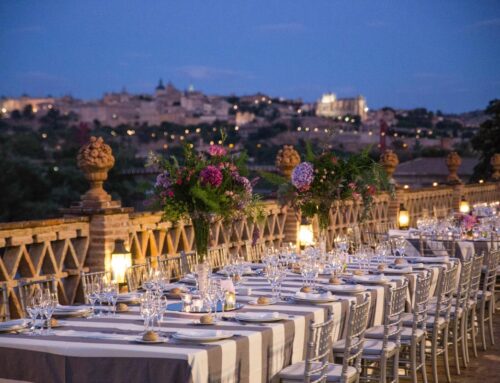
(163, 180)
(216, 151)
(211, 175)
(244, 182)
(303, 176)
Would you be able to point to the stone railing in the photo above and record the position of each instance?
(33, 249)
(150, 237)
(85, 239)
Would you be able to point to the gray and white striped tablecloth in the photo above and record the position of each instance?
(103, 349)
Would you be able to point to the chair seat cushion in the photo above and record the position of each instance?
(377, 332)
(408, 321)
(371, 347)
(295, 372)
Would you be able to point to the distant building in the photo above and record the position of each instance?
(331, 106)
(8, 105)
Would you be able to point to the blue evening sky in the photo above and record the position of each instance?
(440, 54)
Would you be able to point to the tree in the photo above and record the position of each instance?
(487, 141)
(28, 112)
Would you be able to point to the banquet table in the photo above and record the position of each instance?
(103, 349)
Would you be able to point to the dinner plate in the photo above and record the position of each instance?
(13, 325)
(259, 317)
(202, 335)
(179, 307)
(314, 298)
(128, 298)
(159, 340)
(270, 302)
(372, 279)
(407, 270)
(76, 311)
(345, 288)
(198, 323)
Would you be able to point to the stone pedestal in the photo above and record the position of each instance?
(495, 166)
(453, 162)
(286, 160)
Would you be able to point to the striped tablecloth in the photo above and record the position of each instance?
(103, 349)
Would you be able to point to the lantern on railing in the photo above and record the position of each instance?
(464, 206)
(306, 234)
(403, 218)
(121, 260)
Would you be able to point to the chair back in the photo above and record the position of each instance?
(446, 288)
(4, 302)
(218, 257)
(394, 308)
(462, 296)
(254, 252)
(421, 303)
(475, 278)
(189, 261)
(433, 246)
(27, 288)
(355, 337)
(136, 275)
(89, 279)
(491, 273)
(319, 347)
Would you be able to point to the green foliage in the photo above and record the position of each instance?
(487, 141)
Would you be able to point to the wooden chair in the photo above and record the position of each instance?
(89, 279)
(470, 316)
(136, 274)
(486, 298)
(27, 288)
(316, 368)
(413, 336)
(218, 257)
(254, 253)
(4, 303)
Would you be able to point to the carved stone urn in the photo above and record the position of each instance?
(495, 166)
(286, 160)
(389, 160)
(453, 162)
(95, 159)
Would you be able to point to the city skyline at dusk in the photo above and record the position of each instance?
(440, 56)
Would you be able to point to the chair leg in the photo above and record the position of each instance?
(474, 333)
(481, 325)
(383, 368)
(455, 345)
(413, 361)
(446, 356)
(422, 360)
(395, 366)
(490, 321)
(434, 359)
(463, 337)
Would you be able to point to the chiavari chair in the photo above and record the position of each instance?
(89, 279)
(4, 303)
(486, 298)
(27, 288)
(136, 274)
(470, 317)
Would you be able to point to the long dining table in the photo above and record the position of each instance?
(104, 349)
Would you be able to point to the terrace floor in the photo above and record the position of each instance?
(485, 368)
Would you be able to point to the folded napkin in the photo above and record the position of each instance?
(71, 308)
(244, 290)
(431, 259)
(94, 335)
(398, 270)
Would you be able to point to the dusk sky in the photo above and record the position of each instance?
(436, 54)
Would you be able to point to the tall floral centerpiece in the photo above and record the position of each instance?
(321, 181)
(205, 187)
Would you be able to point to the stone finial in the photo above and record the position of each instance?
(453, 162)
(95, 159)
(287, 159)
(389, 160)
(495, 165)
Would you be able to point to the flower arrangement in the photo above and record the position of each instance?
(319, 182)
(205, 187)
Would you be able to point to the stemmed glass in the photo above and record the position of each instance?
(92, 292)
(34, 309)
(113, 289)
(220, 295)
(148, 309)
(161, 309)
(49, 303)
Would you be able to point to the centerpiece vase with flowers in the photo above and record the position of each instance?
(205, 187)
(326, 181)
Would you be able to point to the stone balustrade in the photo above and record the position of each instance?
(85, 239)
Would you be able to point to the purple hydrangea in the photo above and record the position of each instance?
(211, 175)
(245, 183)
(163, 180)
(303, 176)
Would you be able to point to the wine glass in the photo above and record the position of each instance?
(48, 305)
(33, 308)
